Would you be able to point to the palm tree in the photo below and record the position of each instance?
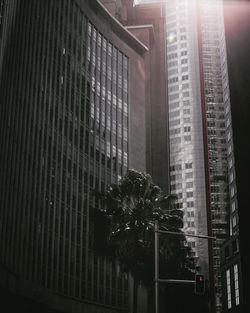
(130, 210)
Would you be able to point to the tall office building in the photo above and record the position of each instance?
(200, 129)
(72, 101)
(201, 148)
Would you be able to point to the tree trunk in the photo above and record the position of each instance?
(135, 294)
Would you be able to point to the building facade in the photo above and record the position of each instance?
(202, 172)
(147, 23)
(187, 162)
(202, 166)
(201, 151)
(231, 276)
(235, 250)
(72, 90)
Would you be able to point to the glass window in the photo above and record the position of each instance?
(187, 120)
(186, 102)
(190, 204)
(231, 177)
(190, 184)
(172, 64)
(173, 96)
(185, 86)
(236, 285)
(188, 165)
(172, 56)
(230, 162)
(174, 122)
(229, 300)
(233, 206)
(175, 140)
(186, 111)
(173, 88)
(173, 71)
(174, 114)
(187, 138)
(232, 191)
(175, 131)
(189, 175)
(173, 80)
(186, 94)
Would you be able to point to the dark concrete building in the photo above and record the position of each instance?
(73, 87)
(235, 251)
(231, 269)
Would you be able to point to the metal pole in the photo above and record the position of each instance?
(156, 267)
(185, 234)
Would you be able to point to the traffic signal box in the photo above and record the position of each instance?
(199, 284)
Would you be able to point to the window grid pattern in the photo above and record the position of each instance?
(216, 101)
(68, 117)
(185, 121)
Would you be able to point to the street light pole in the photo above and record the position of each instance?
(156, 267)
(157, 280)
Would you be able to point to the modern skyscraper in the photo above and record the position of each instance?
(187, 161)
(82, 98)
(72, 100)
(200, 129)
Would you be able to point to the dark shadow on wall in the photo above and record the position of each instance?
(12, 303)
